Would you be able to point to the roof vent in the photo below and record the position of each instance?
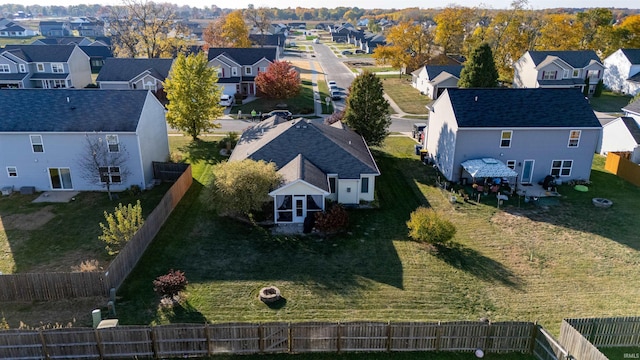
(67, 99)
(476, 99)
(349, 142)
(262, 131)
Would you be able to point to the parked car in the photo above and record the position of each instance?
(316, 41)
(332, 85)
(347, 52)
(418, 130)
(226, 100)
(336, 95)
(285, 114)
(359, 51)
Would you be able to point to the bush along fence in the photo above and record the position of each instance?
(583, 337)
(193, 340)
(64, 285)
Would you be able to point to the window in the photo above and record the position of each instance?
(284, 208)
(12, 171)
(511, 164)
(57, 68)
(234, 71)
(22, 68)
(574, 138)
(593, 73)
(220, 73)
(364, 185)
(36, 143)
(332, 185)
(549, 75)
(565, 74)
(4, 68)
(576, 73)
(110, 174)
(248, 70)
(40, 67)
(262, 69)
(112, 143)
(561, 167)
(505, 139)
(149, 86)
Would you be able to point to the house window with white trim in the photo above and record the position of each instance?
(593, 73)
(112, 143)
(40, 67)
(364, 185)
(511, 164)
(248, 70)
(220, 73)
(4, 68)
(110, 174)
(22, 68)
(12, 171)
(565, 73)
(57, 68)
(576, 73)
(549, 75)
(36, 143)
(332, 185)
(561, 167)
(505, 138)
(574, 138)
(234, 71)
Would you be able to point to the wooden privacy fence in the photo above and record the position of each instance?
(582, 337)
(623, 167)
(61, 285)
(194, 340)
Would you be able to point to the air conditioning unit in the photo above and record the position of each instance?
(7, 190)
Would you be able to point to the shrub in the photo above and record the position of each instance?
(121, 225)
(334, 220)
(171, 284)
(229, 141)
(599, 87)
(428, 226)
(134, 190)
(87, 266)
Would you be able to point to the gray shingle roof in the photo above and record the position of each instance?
(577, 59)
(125, 69)
(97, 51)
(40, 53)
(332, 150)
(13, 76)
(633, 55)
(245, 56)
(47, 110)
(633, 127)
(633, 107)
(435, 70)
(302, 169)
(513, 108)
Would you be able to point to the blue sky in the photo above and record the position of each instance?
(367, 4)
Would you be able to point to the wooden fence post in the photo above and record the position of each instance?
(438, 333)
(389, 336)
(154, 344)
(45, 353)
(99, 343)
(290, 338)
(534, 336)
(338, 341)
(261, 338)
(207, 334)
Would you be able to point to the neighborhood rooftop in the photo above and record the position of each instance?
(577, 59)
(633, 55)
(125, 69)
(40, 53)
(513, 108)
(70, 110)
(435, 70)
(245, 56)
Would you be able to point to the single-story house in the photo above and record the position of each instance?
(432, 80)
(621, 135)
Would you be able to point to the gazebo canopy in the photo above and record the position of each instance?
(487, 167)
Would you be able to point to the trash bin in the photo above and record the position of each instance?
(418, 148)
(423, 155)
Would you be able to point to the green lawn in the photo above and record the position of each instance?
(621, 353)
(517, 263)
(301, 104)
(404, 95)
(609, 102)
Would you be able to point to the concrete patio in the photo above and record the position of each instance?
(56, 196)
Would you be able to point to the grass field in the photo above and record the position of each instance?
(522, 262)
(301, 104)
(609, 102)
(404, 95)
(620, 353)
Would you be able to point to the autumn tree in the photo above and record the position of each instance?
(144, 28)
(409, 46)
(559, 32)
(279, 81)
(479, 70)
(228, 31)
(121, 225)
(193, 95)
(629, 32)
(453, 25)
(104, 160)
(241, 187)
(367, 111)
(596, 25)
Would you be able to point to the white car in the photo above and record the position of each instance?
(332, 85)
(226, 100)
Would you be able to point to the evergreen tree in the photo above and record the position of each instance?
(193, 95)
(367, 111)
(480, 70)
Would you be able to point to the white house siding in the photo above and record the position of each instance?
(114, 85)
(370, 195)
(79, 68)
(300, 188)
(348, 191)
(450, 82)
(61, 150)
(441, 137)
(542, 145)
(616, 137)
(617, 70)
(420, 80)
(152, 135)
(139, 84)
(525, 74)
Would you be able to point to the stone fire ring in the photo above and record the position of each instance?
(602, 202)
(269, 294)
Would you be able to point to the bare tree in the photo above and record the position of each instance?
(260, 19)
(104, 160)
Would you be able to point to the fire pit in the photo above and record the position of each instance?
(269, 294)
(601, 202)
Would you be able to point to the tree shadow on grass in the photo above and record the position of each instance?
(183, 312)
(480, 266)
(207, 151)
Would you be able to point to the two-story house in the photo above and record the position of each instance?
(622, 71)
(238, 67)
(130, 73)
(46, 67)
(535, 132)
(54, 28)
(12, 30)
(558, 69)
(433, 80)
(44, 136)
